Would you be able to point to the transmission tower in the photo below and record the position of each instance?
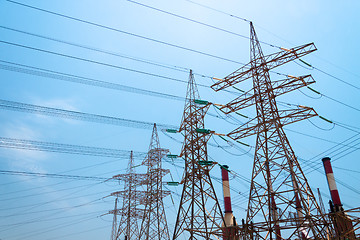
(199, 215)
(154, 225)
(279, 188)
(127, 228)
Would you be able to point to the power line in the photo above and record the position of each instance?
(346, 169)
(172, 67)
(72, 170)
(93, 61)
(332, 150)
(76, 233)
(26, 69)
(55, 112)
(246, 20)
(315, 137)
(53, 175)
(339, 79)
(66, 148)
(124, 32)
(333, 99)
(102, 64)
(41, 72)
(57, 226)
(158, 41)
(49, 219)
(197, 22)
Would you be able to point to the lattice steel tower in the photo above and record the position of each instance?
(199, 215)
(130, 213)
(154, 225)
(279, 189)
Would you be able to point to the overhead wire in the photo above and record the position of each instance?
(93, 61)
(85, 80)
(233, 154)
(315, 137)
(154, 40)
(337, 78)
(62, 182)
(46, 73)
(63, 198)
(197, 22)
(53, 175)
(111, 85)
(332, 99)
(76, 233)
(346, 169)
(177, 68)
(355, 148)
(42, 192)
(67, 148)
(56, 112)
(109, 28)
(330, 150)
(55, 227)
(315, 167)
(146, 61)
(121, 31)
(57, 199)
(217, 10)
(56, 209)
(311, 66)
(49, 219)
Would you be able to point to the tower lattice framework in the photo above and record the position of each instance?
(199, 215)
(154, 225)
(281, 202)
(130, 214)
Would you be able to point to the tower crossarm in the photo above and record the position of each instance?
(279, 87)
(138, 195)
(196, 112)
(155, 196)
(198, 137)
(285, 117)
(136, 213)
(130, 177)
(270, 61)
(154, 155)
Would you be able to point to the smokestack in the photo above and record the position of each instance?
(226, 188)
(229, 220)
(332, 184)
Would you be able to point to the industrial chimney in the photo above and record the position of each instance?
(229, 219)
(332, 185)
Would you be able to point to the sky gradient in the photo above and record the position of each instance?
(146, 54)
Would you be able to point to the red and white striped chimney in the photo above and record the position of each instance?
(332, 184)
(229, 220)
(226, 188)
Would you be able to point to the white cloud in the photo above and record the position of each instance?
(22, 159)
(65, 104)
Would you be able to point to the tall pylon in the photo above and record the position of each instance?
(154, 225)
(199, 215)
(130, 213)
(279, 189)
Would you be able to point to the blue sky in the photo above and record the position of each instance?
(49, 208)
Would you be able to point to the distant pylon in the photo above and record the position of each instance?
(115, 223)
(154, 225)
(131, 198)
(279, 188)
(199, 215)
